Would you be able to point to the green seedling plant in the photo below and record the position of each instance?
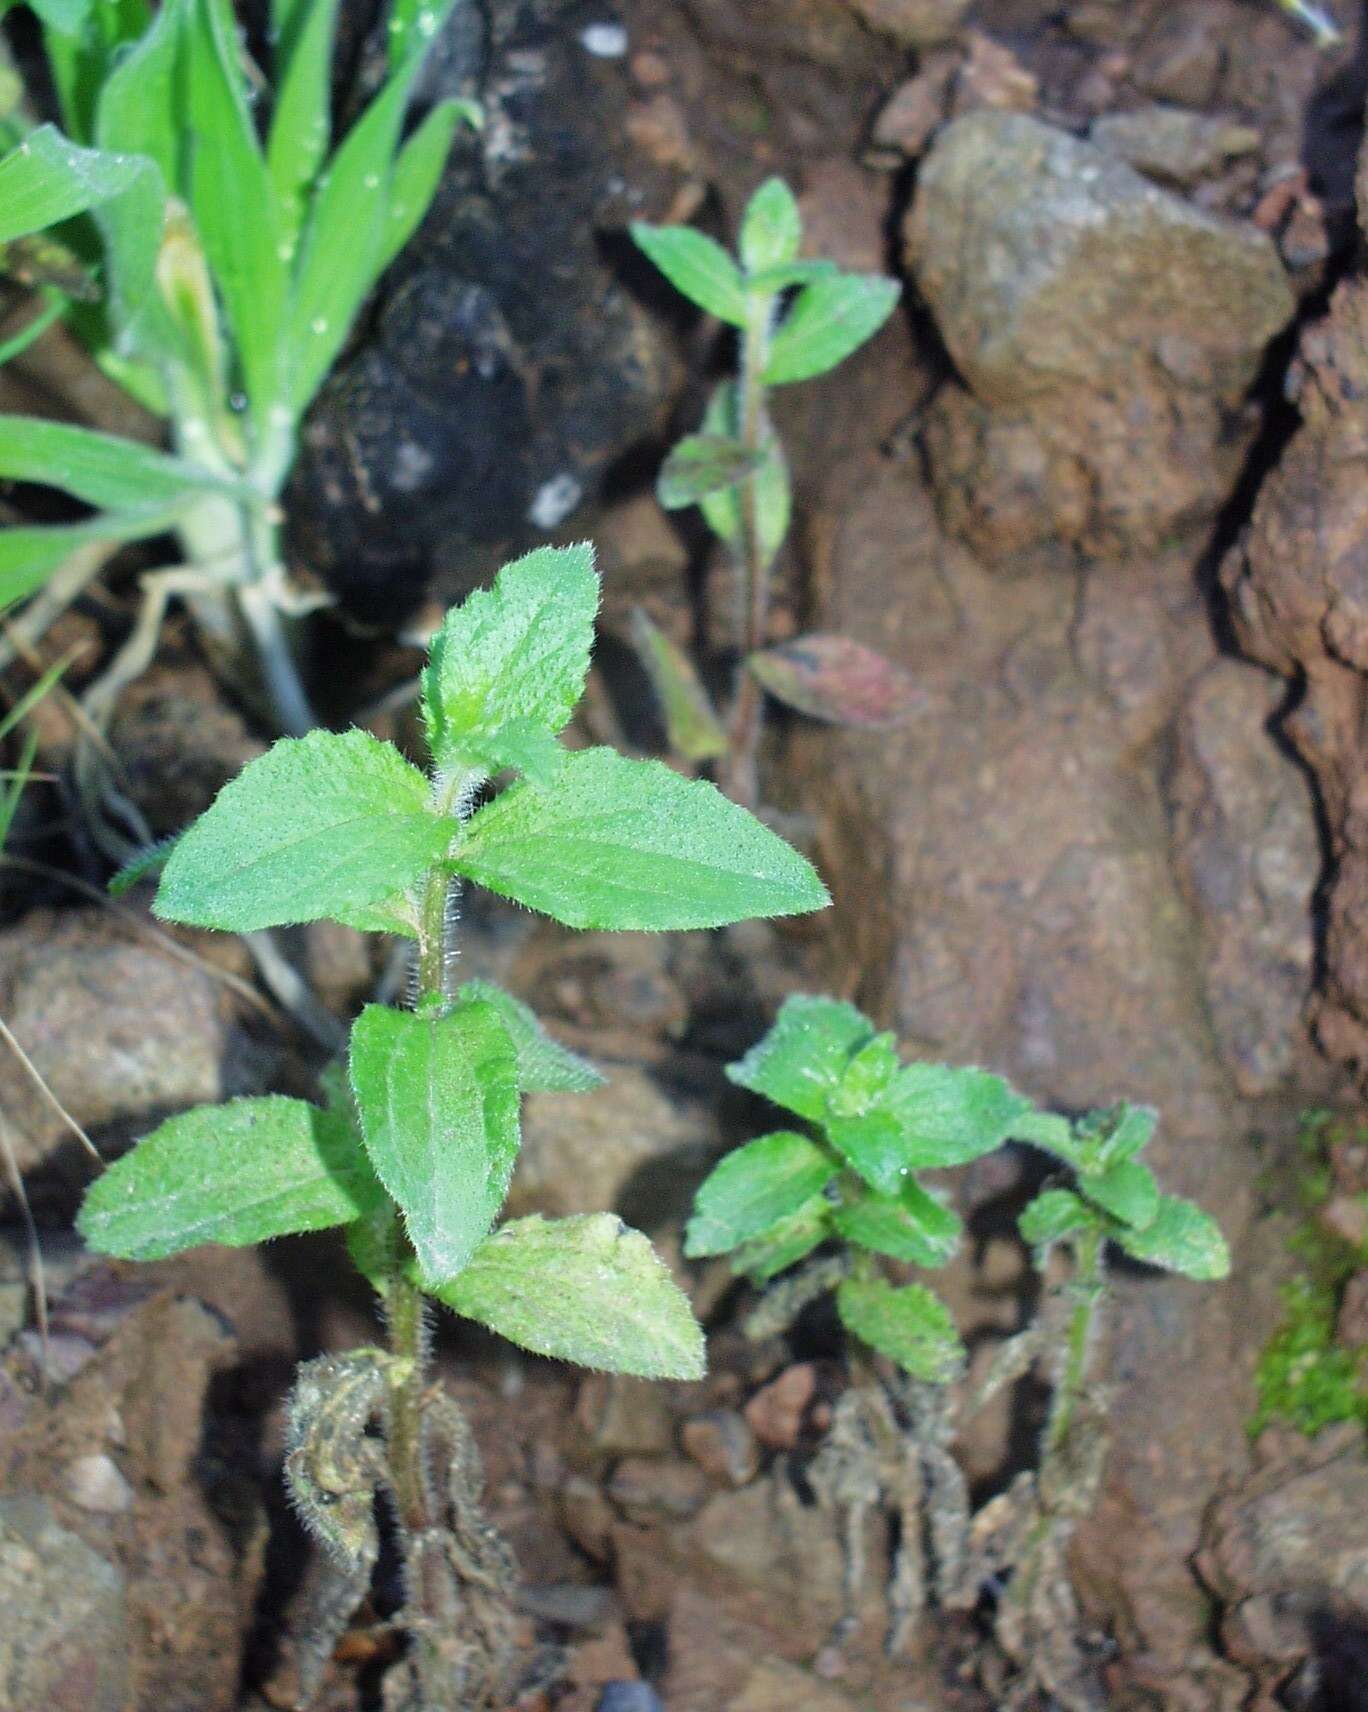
(414, 1144)
(830, 1208)
(230, 263)
(795, 319)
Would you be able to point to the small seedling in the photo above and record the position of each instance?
(230, 269)
(414, 1145)
(841, 1200)
(795, 319)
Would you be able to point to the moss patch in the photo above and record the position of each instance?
(1304, 1377)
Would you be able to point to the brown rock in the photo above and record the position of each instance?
(723, 1445)
(621, 1416)
(912, 114)
(1105, 330)
(1249, 858)
(775, 1413)
(1300, 605)
(645, 1488)
(1286, 1554)
(122, 1032)
(914, 23)
(1351, 1323)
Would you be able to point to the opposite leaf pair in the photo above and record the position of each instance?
(878, 1123)
(341, 826)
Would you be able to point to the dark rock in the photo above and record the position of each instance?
(508, 365)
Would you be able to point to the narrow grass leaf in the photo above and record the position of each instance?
(319, 825)
(100, 469)
(753, 1188)
(910, 1325)
(801, 1062)
(234, 204)
(829, 319)
(613, 843)
(544, 1065)
(418, 173)
(29, 554)
(587, 1290)
(297, 142)
(438, 1101)
(235, 1174)
(698, 268)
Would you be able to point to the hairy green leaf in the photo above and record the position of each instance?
(544, 1065)
(319, 825)
(703, 464)
(438, 1100)
(801, 1061)
(1054, 1213)
(1124, 1131)
(1180, 1238)
(585, 1289)
(697, 267)
(753, 1189)
(773, 488)
(876, 1145)
(771, 228)
(783, 1245)
(691, 723)
(830, 318)
(1126, 1190)
(908, 1324)
(866, 1077)
(511, 657)
(613, 843)
(951, 1115)
(1050, 1132)
(101, 469)
(913, 1226)
(236, 1174)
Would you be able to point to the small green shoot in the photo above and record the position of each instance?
(412, 1148)
(795, 319)
(837, 1207)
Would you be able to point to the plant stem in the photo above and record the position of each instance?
(1086, 1286)
(753, 563)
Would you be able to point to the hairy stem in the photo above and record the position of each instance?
(753, 564)
(1087, 1289)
